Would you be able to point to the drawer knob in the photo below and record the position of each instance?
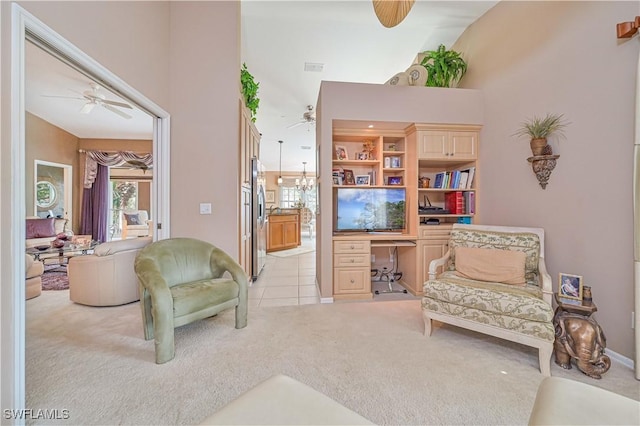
(352, 247)
(353, 260)
(352, 281)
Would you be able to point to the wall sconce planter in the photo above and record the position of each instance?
(542, 166)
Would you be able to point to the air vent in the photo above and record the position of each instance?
(313, 67)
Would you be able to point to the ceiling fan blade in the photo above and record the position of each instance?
(118, 104)
(86, 108)
(296, 124)
(116, 111)
(63, 97)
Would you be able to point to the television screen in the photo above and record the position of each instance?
(374, 209)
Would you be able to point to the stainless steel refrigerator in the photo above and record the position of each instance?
(258, 218)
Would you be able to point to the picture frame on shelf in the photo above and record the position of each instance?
(570, 286)
(362, 156)
(270, 196)
(394, 180)
(395, 162)
(349, 178)
(337, 180)
(363, 180)
(341, 152)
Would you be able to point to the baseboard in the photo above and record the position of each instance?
(627, 362)
(326, 300)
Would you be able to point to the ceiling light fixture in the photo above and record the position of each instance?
(304, 184)
(280, 175)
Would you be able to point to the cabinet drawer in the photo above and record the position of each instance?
(439, 232)
(355, 260)
(351, 247)
(351, 281)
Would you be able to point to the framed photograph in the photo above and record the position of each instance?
(270, 196)
(341, 152)
(394, 180)
(395, 162)
(337, 180)
(362, 180)
(362, 156)
(570, 286)
(349, 178)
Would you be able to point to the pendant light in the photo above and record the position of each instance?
(280, 175)
(304, 184)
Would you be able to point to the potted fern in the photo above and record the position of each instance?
(249, 91)
(444, 67)
(539, 129)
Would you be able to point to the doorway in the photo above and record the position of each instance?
(28, 28)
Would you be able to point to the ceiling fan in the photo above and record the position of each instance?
(93, 97)
(308, 117)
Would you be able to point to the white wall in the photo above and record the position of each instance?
(536, 57)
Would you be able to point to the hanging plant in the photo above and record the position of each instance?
(444, 67)
(249, 91)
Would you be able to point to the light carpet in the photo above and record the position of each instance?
(292, 252)
(371, 357)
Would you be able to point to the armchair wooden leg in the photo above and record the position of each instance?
(544, 358)
(427, 326)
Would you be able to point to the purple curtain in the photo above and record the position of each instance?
(95, 206)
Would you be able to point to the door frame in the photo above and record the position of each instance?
(12, 303)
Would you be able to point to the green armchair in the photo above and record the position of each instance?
(183, 280)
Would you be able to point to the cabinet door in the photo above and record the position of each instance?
(351, 281)
(276, 235)
(245, 146)
(463, 145)
(428, 250)
(290, 234)
(433, 144)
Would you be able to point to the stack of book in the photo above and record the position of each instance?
(454, 202)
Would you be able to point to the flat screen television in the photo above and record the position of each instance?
(369, 209)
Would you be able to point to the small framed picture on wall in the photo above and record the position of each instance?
(270, 196)
(570, 286)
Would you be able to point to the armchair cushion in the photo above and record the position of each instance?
(503, 266)
(198, 295)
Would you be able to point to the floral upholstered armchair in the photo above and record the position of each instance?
(494, 282)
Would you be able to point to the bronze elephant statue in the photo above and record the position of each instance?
(582, 339)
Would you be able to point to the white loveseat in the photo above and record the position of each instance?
(106, 277)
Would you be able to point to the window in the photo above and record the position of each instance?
(124, 196)
(288, 196)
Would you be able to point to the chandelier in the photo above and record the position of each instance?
(280, 175)
(304, 184)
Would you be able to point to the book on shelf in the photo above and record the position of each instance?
(472, 172)
(470, 202)
(454, 202)
(438, 180)
(464, 177)
(373, 178)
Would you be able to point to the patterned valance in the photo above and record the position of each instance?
(111, 160)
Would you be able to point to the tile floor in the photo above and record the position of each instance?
(287, 281)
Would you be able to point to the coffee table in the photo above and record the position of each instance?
(64, 252)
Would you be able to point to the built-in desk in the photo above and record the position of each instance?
(352, 261)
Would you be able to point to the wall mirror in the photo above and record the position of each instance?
(46, 194)
(53, 187)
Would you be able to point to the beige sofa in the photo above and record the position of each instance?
(33, 279)
(106, 277)
(282, 400)
(562, 401)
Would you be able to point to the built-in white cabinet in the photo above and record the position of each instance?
(447, 144)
